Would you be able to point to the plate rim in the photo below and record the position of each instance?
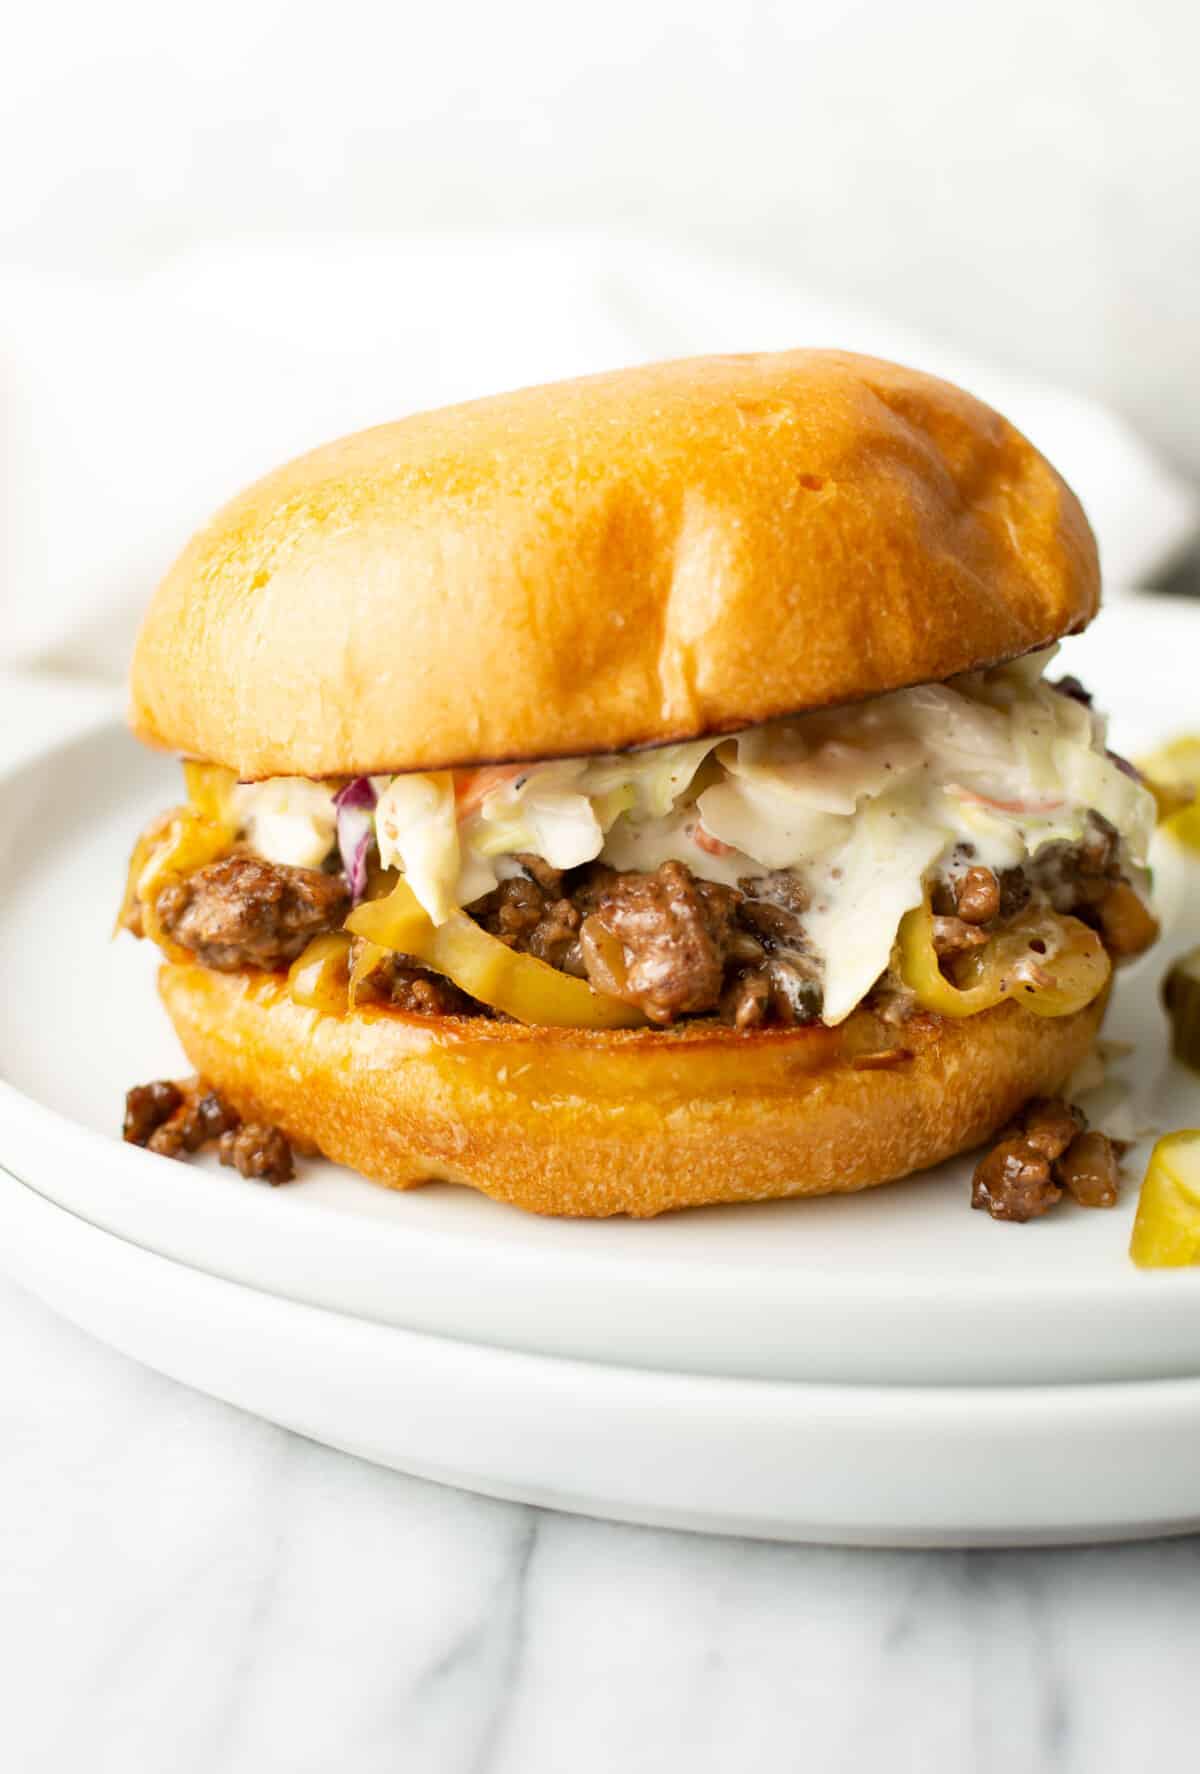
(775, 1459)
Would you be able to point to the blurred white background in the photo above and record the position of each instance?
(224, 230)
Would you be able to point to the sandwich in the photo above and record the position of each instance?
(641, 792)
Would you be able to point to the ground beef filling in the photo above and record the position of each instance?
(402, 983)
(669, 943)
(1045, 1151)
(244, 912)
(176, 1119)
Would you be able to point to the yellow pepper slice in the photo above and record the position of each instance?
(175, 844)
(1166, 1230)
(209, 787)
(365, 962)
(319, 978)
(1074, 971)
(520, 985)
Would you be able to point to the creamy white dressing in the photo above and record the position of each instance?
(287, 819)
(864, 802)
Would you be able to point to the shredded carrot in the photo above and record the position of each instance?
(471, 787)
(710, 845)
(1043, 806)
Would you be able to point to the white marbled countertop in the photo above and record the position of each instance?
(185, 1588)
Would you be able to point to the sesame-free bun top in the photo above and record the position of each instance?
(624, 560)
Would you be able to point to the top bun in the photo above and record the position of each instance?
(630, 559)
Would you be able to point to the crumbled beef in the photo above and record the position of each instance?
(147, 1106)
(259, 1152)
(202, 1117)
(1049, 1125)
(772, 908)
(1074, 876)
(244, 912)
(746, 1001)
(795, 989)
(555, 938)
(176, 1119)
(1100, 849)
(1126, 924)
(660, 941)
(977, 896)
(512, 911)
(769, 920)
(1089, 1170)
(426, 994)
(1014, 1182)
(406, 985)
(537, 919)
(548, 878)
(1015, 891)
(952, 936)
(1018, 1179)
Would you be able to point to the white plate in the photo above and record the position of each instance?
(900, 1287)
(898, 1466)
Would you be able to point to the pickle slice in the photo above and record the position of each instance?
(1166, 1231)
(1173, 777)
(1181, 995)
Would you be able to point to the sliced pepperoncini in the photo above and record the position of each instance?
(319, 978)
(1166, 1228)
(921, 971)
(209, 787)
(520, 985)
(1052, 964)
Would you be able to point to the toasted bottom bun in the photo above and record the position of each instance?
(637, 1122)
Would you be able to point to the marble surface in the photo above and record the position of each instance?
(186, 1588)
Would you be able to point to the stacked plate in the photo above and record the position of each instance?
(886, 1368)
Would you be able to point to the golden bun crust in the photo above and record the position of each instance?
(587, 1124)
(629, 559)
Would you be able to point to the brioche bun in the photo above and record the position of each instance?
(625, 560)
(635, 1122)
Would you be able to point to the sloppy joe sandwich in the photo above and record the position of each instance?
(641, 792)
